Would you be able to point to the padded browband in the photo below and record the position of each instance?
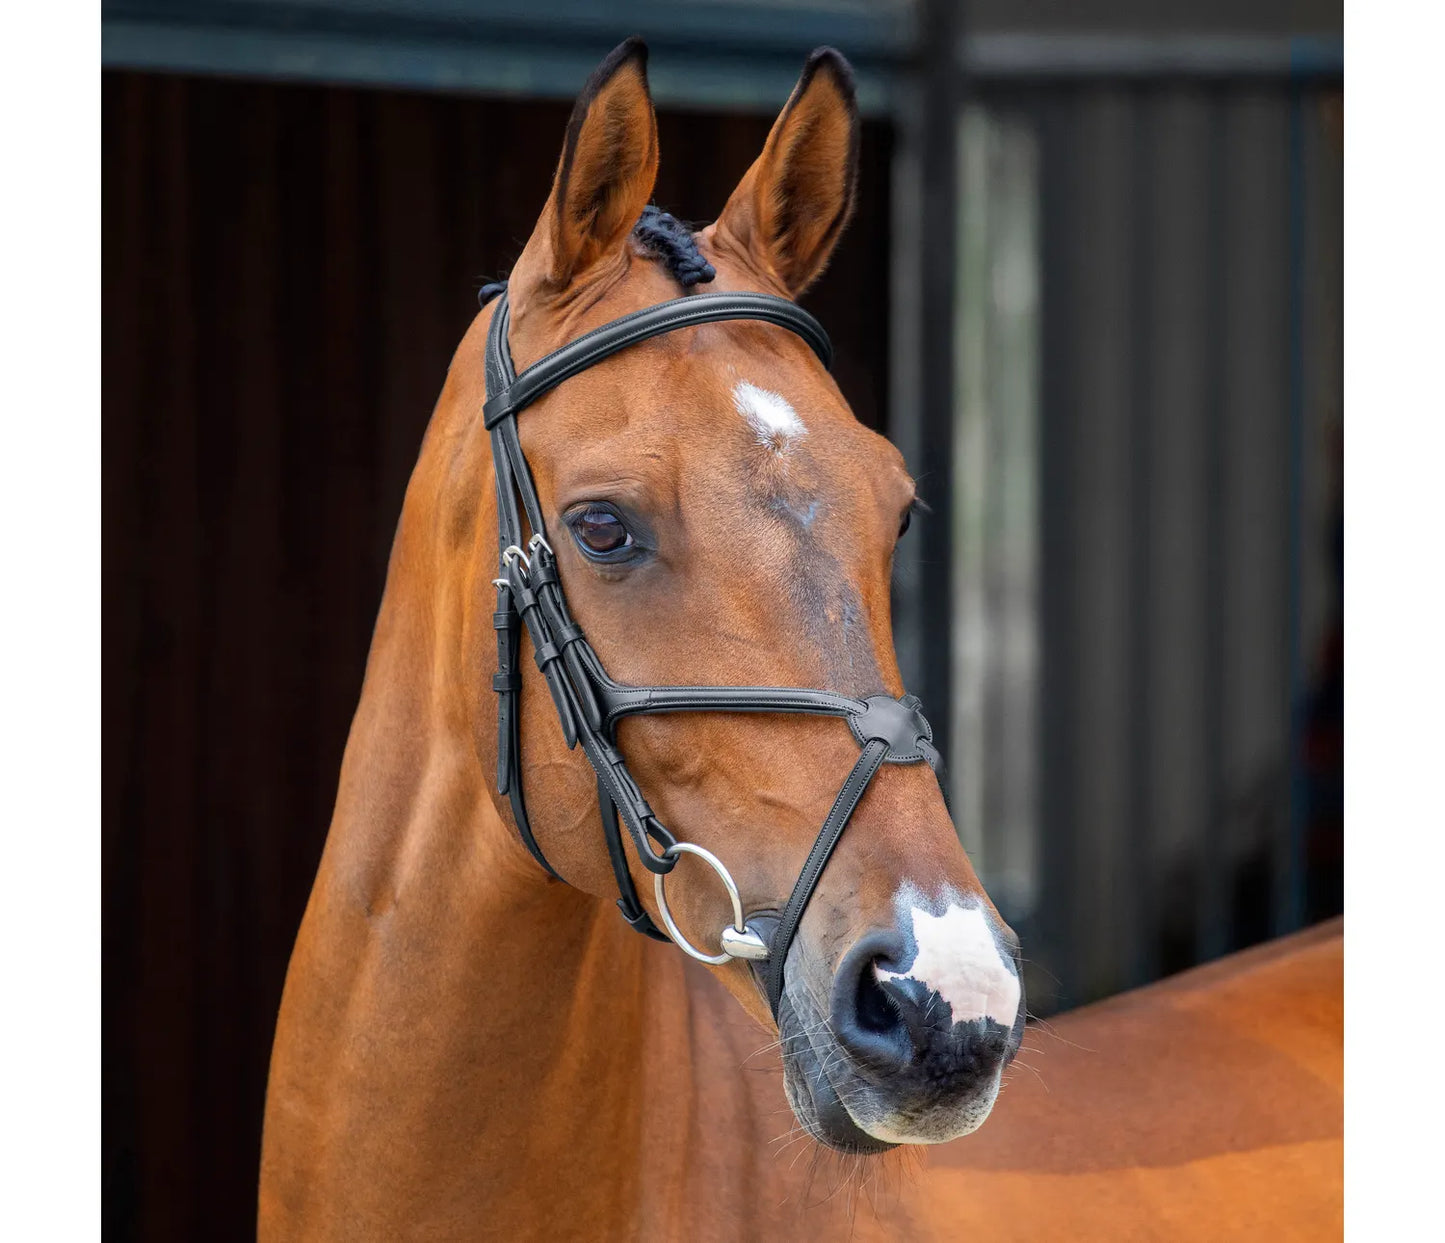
(603, 342)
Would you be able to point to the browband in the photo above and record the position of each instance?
(603, 342)
(589, 703)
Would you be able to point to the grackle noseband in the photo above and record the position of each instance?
(589, 703)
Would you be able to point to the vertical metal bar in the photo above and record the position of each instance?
(905, 320)
(1058, 821)
(1212, 924)
(1140, 945)
(1101, 235)
(940, 29)
(975, 467)
(1178, 601)
(1290, 880)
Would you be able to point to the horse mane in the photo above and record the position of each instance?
(664, 237)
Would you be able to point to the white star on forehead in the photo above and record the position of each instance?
(774, 421)
(959, 959)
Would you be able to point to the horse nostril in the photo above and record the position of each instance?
(876, 1010)
(891, 1022)
(867, 1018)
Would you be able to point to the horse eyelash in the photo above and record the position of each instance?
(916, 506)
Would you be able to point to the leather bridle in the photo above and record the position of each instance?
(590, 704)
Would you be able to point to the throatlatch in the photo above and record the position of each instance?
(589, 703)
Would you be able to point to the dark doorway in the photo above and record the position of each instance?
(286, 272)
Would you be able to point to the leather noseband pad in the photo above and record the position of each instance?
(897, 722)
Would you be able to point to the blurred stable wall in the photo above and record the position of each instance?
(1147, 504)
(287, 270)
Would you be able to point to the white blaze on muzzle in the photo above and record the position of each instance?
(959, 958)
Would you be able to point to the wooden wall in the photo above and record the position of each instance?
(286, 272)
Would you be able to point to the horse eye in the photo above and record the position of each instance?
(600, 532)
(906, 523)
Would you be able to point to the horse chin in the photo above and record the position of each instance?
(815, 1101)
(864, 1124)
(935, 1124)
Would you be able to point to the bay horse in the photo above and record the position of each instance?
(471, 1042)
(468, 1045)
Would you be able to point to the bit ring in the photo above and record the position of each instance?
(659, 881)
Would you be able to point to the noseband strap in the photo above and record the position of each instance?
(589, 704)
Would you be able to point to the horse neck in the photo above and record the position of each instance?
(460, 1038)
(442, 989)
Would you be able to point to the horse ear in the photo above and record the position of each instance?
(790, 208)
(607, 170)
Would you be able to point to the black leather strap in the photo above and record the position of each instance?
(842, 811)
(624, 701)
(524, 825)
(507, 682)
(901, 724)
(592, 347)
(627, 901)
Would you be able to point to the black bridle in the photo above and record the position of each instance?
(589, 703)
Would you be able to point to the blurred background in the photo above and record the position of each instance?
(1093, 291)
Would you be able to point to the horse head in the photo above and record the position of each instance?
(720, 518)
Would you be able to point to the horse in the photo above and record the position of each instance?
(471, 1043)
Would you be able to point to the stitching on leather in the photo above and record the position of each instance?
(579, 354)
(823, 846)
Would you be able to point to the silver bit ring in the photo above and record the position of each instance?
(745, 942)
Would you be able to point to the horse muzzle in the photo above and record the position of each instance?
(914, 1041)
